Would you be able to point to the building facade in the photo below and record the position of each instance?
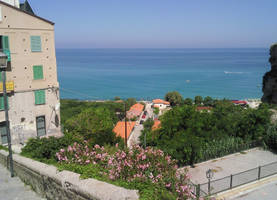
(33, 88)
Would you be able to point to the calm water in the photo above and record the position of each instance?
(151, 73)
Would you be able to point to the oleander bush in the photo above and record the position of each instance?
(149, 170)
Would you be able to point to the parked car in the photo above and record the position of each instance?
(141, 122)
(143, 116)
(145, 112)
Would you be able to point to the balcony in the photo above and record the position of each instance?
(9, 86)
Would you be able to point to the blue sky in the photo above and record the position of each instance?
(161, 23)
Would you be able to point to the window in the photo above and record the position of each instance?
(2, 106)
(39, 97)
(41, 130)
(5, 46)
(35, 44)
(3, 133)
(38, 72)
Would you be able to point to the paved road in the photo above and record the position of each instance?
(134, 138)
(266, 192)
(13, 188)
(231, 164)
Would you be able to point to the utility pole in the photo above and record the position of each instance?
(126, 139)
(7, 122)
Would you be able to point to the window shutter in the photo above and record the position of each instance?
(35, 44)
(2, 106)
(40, 97)
(38, 72)
(6, 47)
(1, 103)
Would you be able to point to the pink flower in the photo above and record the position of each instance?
(143, 157)
(168, 185)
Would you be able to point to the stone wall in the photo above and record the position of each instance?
(270, 79)
(47, 181)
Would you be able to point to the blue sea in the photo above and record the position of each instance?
(100, 74)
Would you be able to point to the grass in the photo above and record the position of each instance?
(4, 148)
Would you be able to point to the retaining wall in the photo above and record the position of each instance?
(47, 181)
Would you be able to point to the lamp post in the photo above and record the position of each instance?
(209, 175)
(3, 67)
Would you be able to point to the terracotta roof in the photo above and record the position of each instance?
(6, 4)
(156, 125)
(204, 108)
(137, 106)
(160, 101)
(239, 102)
(119, 129)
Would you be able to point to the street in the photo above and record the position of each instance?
(14, 188)
(134, 138)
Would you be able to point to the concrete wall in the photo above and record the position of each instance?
(19, 27)
(50, 183)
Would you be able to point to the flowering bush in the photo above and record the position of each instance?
(133, 165)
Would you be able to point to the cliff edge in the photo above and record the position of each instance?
(270, 79)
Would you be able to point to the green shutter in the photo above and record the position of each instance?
(38, 72)
(35, 44)
(39, 97)
(2, 106)
(6, 47)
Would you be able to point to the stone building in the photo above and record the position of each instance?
(33, 88)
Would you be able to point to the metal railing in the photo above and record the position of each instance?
(234, 180)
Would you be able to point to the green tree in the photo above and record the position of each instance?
(156, 110)
(208, 101)
(94, 125)
(175, 98)
(129, 102)
(116, 98)
(188, 101)
(198, 100)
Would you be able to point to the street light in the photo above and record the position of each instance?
(3, 67)
(209, 175)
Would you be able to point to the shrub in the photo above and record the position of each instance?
(45, 149)
(271, 137)
(134, 166)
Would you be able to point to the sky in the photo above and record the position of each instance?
(161, 23)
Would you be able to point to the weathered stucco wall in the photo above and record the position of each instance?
(19, 27)
(65, 185)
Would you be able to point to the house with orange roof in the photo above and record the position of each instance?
(156, 125)
(135, 111)
(119, 129)
(161, 104)
(201, 108)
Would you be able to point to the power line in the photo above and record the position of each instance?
(78, 93)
